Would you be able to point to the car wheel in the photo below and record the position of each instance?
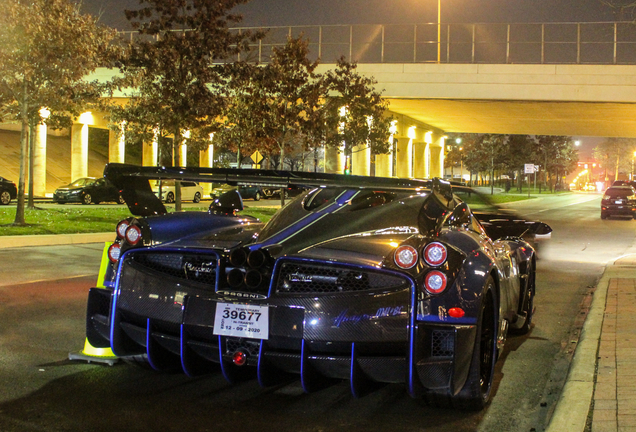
(257, 197)
(170, 197)
(476, 392)
(121, 200)
(87, 198)
(603, 215)
(5, 198)
(527, 307)
(197, 197)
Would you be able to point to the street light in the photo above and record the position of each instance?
(577, 143)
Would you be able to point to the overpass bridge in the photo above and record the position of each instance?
(533, 78)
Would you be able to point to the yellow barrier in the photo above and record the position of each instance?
(90, 353)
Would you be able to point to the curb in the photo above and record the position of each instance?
(53, 239)
(573, 407)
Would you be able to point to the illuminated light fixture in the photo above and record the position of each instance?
(133, 234)
(343, 111)
(121, 228)
(411, 132)
(239, 358)
(456, 312)
(406, 256)
(435, 282)
(428, 137)
(393, 127)
(114, 252)
(86, 118)
(435, 254)
(45, 113)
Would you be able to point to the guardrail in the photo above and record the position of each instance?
(521, 43)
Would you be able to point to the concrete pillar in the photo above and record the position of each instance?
(117, 145)
(149, 153)
(437, 158)
(361, 160)
(383, 164)
(206, 160)
(419, 160)
(334, 161)
(39, 161)
(79, 151)
(405, 157)
(427, 161)
(183, 155)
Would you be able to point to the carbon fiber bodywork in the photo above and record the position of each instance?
(338, 302)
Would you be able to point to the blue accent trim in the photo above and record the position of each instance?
(224, 370)
(259, 366)
(303, 366)
(182, 350)
(352, 375)
(312, 217)
(412, 342)
(447, 320)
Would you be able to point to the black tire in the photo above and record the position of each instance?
(121, 200)
(197, 197)
(603, 215)
(476, 391)
(5, 197)
(527, 307)
(87, 198)
(257, 197)
(170, 197)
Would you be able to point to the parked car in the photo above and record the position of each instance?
(8, 191)
(290, 192)
(88, 190)
(364, 279)
(190, 191)
(618, 201)
(246, 191)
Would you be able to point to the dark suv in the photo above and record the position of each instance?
(619, 201)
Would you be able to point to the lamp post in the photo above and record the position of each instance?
(439, 31)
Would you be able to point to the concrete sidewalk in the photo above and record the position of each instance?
(54, 239)
(601, 385)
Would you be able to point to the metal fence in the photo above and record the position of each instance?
(523, 43)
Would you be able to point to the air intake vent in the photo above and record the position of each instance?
(198, 268)
(312, 278)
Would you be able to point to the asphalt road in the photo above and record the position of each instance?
(42, 301)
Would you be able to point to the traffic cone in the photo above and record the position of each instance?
(91, 353)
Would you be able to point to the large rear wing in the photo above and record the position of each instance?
(133, 182)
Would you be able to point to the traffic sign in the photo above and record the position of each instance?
(529, 169)
(257, 157)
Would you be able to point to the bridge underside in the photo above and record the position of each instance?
(602, 119)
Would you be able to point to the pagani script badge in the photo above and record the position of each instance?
(209, 267)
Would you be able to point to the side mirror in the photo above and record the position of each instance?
(227, 204)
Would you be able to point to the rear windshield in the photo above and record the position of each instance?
(614, 192)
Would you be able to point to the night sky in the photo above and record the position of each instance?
(309, 12)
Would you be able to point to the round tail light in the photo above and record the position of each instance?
(133, 234)
(435, 254)
(239, 358)
(435, 282)
(114, 252)
(121, 228)
(405, 256)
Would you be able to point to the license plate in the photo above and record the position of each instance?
(241, 320)
(618, 202)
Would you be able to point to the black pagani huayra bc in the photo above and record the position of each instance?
(358, 278)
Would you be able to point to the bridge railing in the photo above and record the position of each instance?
(520, 43)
